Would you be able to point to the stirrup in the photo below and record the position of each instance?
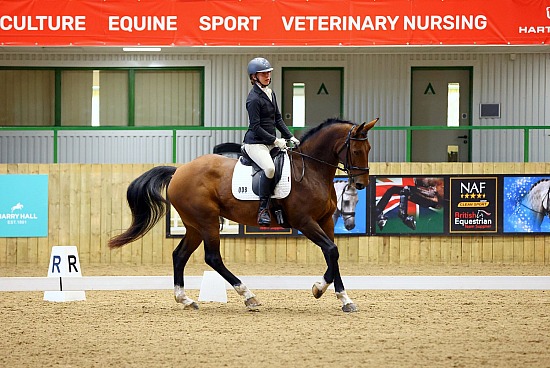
(264, 218)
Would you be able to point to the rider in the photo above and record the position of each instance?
(264, 116)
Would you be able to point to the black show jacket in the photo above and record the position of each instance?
(264, 116)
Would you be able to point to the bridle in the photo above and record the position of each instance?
(347, 162)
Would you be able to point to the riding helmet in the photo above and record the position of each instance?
(258, 65)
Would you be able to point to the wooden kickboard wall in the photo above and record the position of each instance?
(87, 205)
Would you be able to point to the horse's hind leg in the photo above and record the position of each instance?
(180, 256)
(213, 258)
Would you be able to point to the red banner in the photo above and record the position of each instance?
(273, 22)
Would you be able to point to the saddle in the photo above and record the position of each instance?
(246, 176)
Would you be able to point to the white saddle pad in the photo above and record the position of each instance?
(242, 182)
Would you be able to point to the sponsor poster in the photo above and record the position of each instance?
(526, 204)
(474, 206)
(409, 205)
(350, 216)
(23, 206)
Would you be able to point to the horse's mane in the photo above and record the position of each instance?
(537, 183)
(326, 123)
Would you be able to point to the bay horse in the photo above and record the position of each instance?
(200, 191)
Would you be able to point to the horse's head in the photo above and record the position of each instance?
(354, 154)
(350, 197)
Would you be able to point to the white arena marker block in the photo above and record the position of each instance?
(212, 288)
(64, 262)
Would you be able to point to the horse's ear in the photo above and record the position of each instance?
(371, 124)
(365, 127)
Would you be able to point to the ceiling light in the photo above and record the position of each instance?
(141, 49)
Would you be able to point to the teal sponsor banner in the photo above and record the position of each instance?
(23, 206)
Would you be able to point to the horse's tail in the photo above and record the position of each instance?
(146, 202)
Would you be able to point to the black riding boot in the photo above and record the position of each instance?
(264, 218)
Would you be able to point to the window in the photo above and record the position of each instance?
(101, 97)
(168, 98)
(299, 104)
(453, 104)
(27, 97)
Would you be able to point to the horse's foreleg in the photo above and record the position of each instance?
(213, 258)
(323, 236)
(250, 299)
(180, 256)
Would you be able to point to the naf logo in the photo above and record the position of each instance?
(473, 189)
(473, 204)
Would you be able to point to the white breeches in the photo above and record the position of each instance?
(259, 153)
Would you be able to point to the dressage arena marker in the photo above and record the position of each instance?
(278, 283)
(64, 262)
(213, 288)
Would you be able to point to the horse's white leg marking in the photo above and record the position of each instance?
(319, 288)
(249, 298)
(179, 295)
(347, 304)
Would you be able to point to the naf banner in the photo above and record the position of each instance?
(473, 205)
(23, 206)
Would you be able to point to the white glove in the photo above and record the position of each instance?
(295, 140)
(280, 142)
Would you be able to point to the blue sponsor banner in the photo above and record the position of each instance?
(23, 206)
(526, 207)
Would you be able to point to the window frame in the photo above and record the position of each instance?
(131, 92)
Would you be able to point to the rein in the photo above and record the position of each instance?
(348, 165)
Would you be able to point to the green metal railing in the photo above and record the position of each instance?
(407, 129)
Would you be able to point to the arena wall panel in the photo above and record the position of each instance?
(87, 205)
(26, 146)
(115, 146)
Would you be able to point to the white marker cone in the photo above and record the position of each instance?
(64, 262)
(212, 288)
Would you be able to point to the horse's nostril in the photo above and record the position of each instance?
(359, 186)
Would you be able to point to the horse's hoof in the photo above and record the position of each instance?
(252, 303)
(317, 290)
(349, 308)
(193, 305)
(187, 302)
